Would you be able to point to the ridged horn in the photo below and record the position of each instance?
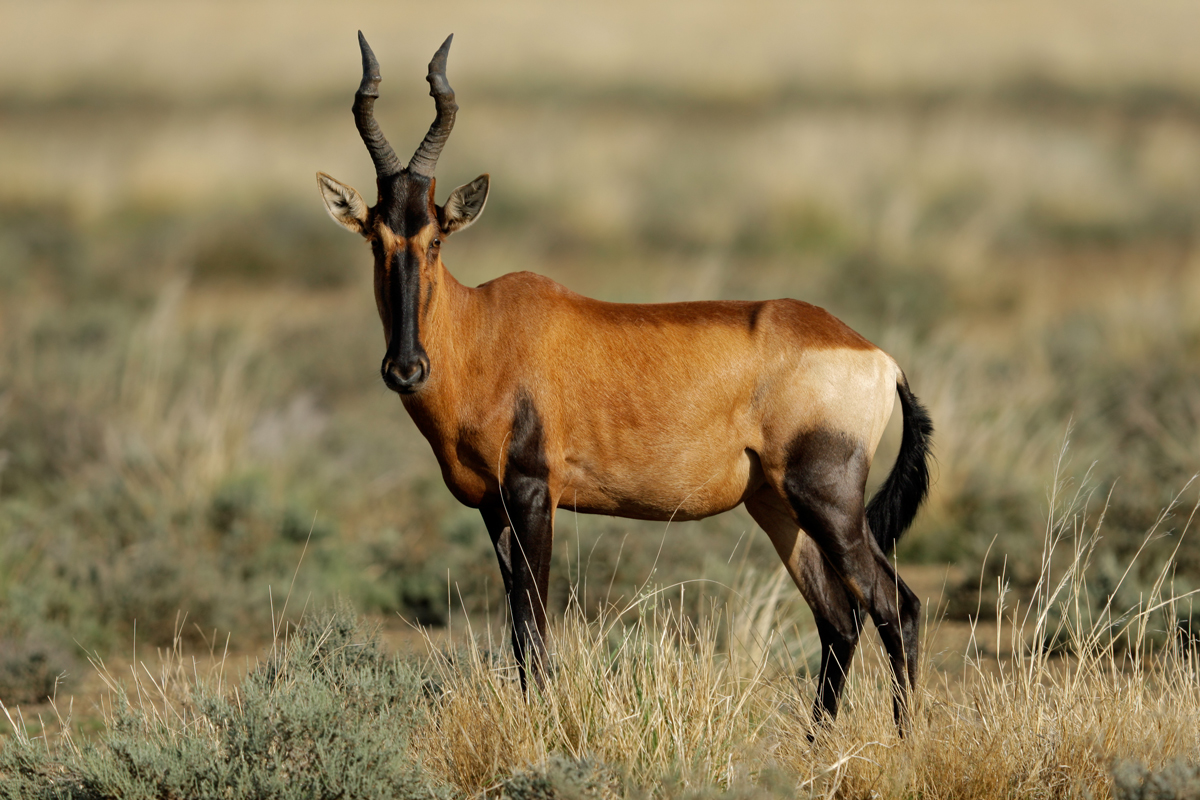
(424, 161)
(386, 162)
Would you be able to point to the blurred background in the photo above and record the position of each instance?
(1003, 195)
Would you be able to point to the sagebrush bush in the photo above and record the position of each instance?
(647, 702)
(326, 715)
(561, 778)
(1177, 780)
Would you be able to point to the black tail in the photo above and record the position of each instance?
(893, 507)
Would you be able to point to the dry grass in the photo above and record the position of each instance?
(1005, 197)
(676, 705)
(670, 697)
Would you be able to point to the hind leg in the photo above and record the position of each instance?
(838, 616)
(823, 481)
(909, 634)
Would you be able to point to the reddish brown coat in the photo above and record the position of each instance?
(536, 398)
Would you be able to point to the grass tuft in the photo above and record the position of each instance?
(649, 701)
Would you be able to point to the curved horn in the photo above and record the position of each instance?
(386, 162)
(424, 161)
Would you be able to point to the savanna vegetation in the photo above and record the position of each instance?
(193, 433)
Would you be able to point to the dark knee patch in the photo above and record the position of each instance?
(527, 465)
(526, 483)
(825, 482)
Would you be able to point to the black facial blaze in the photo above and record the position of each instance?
(404, 296)
(404, 200)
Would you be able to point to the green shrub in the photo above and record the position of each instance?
(326, 716)
(1178, 780)
(561, 778)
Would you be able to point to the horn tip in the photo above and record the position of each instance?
(438, 64)
(367, 52)
(370, 67)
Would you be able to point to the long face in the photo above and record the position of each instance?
(405, 227)
(406, 244)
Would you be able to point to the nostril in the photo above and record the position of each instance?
(414, 373)
(404, 376)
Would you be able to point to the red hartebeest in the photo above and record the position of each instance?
(534, 397)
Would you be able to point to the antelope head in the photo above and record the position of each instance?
(405, 227)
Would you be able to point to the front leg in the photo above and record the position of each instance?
(530, 539)
(527, 503)
(527, 606)
(496, 520)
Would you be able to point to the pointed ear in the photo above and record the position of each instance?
(343, 203)
(464, 205)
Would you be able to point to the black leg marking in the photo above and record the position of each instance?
(825, 485)
(838, 615)
(531, 513)
(837, 650)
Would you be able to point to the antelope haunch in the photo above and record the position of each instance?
(534, 397)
